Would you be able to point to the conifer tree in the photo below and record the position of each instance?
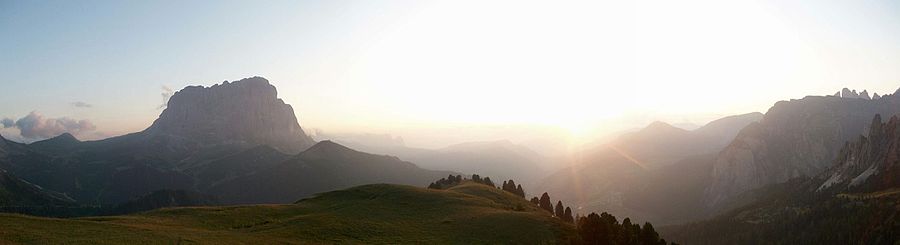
(487, 181)
(559, 211)
(567, 215)
(545, 203)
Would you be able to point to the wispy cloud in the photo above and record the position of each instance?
(81, 104)
(166, 94)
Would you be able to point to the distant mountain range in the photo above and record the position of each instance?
(501, 159)
(659, 164)
(234, 139)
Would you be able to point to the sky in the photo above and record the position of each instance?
(439, 72)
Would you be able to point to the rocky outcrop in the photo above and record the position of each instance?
(848, 94)
(852, 94)
(875, 96)
(247, 110)
(794, 138)
(864, 95)
(869, 163)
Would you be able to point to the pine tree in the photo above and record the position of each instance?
(630, 232)
(536, 201)
(545, 203)
(520, 191)
(567, 215)
(648, 234)
(559, 210)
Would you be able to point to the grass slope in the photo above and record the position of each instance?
(466, 214)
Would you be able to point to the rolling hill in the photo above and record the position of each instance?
(382, 213)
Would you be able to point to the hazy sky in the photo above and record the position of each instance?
(415, 68)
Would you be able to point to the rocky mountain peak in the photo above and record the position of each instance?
(868, 163)
(864, 95)
(852, 94)
(795, 138)
(247, 110)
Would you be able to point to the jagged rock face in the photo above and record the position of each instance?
(864, 95)
(846, 93)
(247, 110)
(795, 138)
(867, 164)
(851, 94)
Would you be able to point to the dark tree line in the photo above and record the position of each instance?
(444, 183)
(825, 220)
(452, 180)
(605, 229)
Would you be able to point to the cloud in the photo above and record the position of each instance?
(35, 126)
(166, 94)
(81, 104)
(7, 122)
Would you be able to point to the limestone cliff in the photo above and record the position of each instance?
(247, 110)
(794, 138)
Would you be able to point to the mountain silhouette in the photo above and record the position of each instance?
(216, 139)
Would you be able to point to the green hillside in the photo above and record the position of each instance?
(466, 214)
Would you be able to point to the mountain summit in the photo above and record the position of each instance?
(246, 110)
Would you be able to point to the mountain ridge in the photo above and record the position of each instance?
(795, 138)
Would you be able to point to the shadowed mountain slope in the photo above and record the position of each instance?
(795, 138)
(856, 200)
(325, 166)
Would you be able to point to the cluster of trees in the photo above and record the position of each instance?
(559, 211)
(444, 183)
(485, 181)
(605, 229)
(452, 180)
(511, 187)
